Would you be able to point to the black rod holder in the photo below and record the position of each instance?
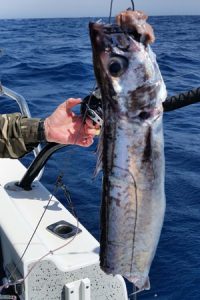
(38, 163)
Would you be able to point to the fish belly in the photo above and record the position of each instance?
(133, 202)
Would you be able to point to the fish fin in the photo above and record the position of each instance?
(139, 288)
(147, 285)
(99, 153)
(142, 283)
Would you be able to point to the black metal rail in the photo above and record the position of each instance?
(38, 163)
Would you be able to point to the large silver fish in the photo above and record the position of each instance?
(133, 203)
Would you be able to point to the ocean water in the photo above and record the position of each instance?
(48, 61)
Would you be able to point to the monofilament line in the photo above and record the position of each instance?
(111, 4)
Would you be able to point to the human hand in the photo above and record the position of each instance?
(135, 20)
(65, 127)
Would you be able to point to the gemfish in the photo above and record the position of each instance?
(133, 197)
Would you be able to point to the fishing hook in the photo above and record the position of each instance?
(133, 5)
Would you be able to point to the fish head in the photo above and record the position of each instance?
(125, 67)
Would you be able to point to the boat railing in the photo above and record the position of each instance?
(24, 109)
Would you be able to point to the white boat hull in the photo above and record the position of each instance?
(72, 271)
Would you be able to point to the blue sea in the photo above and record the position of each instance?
(48, 61)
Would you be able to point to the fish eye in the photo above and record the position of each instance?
(117, 65)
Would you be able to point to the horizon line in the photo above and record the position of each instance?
(26, 18)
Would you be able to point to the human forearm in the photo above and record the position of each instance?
(18, 135)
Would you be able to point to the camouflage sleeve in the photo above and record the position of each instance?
(18, 135)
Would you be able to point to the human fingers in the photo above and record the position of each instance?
(85, 141)
(91, 124)
(91, 131)
(92, 128)
(70, 103)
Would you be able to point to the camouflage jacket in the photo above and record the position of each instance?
(18, 135)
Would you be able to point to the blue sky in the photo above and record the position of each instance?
(84, 8)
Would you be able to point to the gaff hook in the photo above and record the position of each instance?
(133, 5)
(111, 5)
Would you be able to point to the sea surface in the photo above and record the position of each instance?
(48, 61)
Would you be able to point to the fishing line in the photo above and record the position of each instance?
(51, 252)
(31, 238)
(135, 292)
(111, 5)
(20, 281)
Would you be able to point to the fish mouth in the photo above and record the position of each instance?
(105, 37)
